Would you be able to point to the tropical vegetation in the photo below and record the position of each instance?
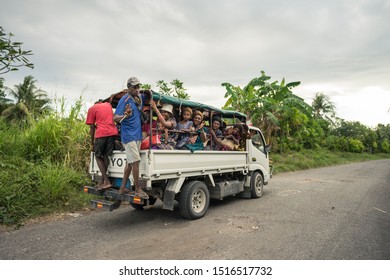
(44, 148)
(290, 124)
(29, 102)
(12, 56)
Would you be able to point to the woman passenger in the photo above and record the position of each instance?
(165, 122)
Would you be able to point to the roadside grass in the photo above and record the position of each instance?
(307, 159)
(43, 167)
(30, 190)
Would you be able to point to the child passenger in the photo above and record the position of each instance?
(216, 135)
(195, 141)
(185, 125)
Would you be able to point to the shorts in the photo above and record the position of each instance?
(104, 146)
(132, 150)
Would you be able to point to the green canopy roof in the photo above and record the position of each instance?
(177, 102)
(184, 103)
(233, 114)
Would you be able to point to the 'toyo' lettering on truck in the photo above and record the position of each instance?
(119, 162)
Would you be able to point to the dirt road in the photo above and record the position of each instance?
(340, 212)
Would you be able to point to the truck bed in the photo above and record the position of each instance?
(169, 164)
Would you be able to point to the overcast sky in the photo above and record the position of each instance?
(338, 47)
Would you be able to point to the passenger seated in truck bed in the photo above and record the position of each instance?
(186, 126)
(195, 141)
(215, 136)
(165, 121)
(146, 126)
(235, 138)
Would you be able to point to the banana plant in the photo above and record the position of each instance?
(266, 103)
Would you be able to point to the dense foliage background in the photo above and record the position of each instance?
(289, 123)
(44, 148)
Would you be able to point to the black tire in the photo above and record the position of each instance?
(117, 204)
(257, 184)
(152, 200)
(194, 200)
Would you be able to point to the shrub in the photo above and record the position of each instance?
(29, 190)
(385, 146)
(58, 140)
(43, 166)
(355, 145)
(12, 139)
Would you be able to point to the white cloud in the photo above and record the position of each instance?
(370, 106)
(334, 47)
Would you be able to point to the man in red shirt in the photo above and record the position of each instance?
(103, 132)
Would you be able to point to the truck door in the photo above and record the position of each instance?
(258, 152)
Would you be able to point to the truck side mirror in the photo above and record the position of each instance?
(267, 149)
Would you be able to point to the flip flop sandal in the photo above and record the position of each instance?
(142, 195)
(104, 187)
(127, 191)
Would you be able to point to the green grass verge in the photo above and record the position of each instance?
(306, 159)
(29, 190)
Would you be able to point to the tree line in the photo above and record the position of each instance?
(287, 121)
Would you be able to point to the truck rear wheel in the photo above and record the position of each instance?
(194, 200)
(257, 184)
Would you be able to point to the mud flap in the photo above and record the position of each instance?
(247, 188)
(173, 187)
(169, 200)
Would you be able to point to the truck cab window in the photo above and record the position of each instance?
(257, 140)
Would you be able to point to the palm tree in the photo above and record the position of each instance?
(322, 106)
(30, 102)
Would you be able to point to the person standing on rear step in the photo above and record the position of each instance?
(103, 133)
(128, 114)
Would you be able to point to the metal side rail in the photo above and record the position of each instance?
(112, 198)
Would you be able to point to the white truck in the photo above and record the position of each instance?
(192, 179)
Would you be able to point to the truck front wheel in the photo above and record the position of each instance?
(257, 184)
(194, 200)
